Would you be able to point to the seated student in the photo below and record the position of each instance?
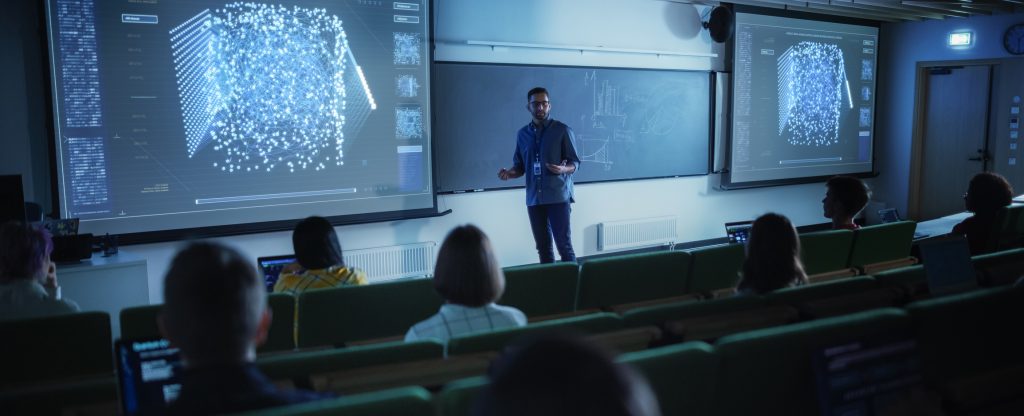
(773, 257)
(319, 261)
(845, 198)
(28, 279)
(468, 278)
(986, 194)
(215, 311)
(563, 375)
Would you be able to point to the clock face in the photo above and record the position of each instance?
(1013, 39)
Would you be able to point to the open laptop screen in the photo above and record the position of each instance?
(947, 265)
(738, 232)
(271, 268)
(148, 375)
(868, 376)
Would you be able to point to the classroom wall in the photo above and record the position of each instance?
(901, 47)
(630, 24)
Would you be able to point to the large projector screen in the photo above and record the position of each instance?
(802, 100)
(186, 114)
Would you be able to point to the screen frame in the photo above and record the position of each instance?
(730, 47)
(177, 234)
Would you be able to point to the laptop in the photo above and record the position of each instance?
(271, 267)
(739, 231)
(867, 376)
(887, 215)
(947, 265)
(148, 375)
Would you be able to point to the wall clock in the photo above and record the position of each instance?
(1013, 39)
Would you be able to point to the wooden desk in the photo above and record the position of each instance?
(106, 284)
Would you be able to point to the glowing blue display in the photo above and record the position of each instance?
(812, 88)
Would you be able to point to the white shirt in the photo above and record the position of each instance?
(455, 320)
(27, 298)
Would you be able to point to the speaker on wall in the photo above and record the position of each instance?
(720, 24)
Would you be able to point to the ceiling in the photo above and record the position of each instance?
(891, 10)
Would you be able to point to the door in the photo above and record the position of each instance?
(955, 139)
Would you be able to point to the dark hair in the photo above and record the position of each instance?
(213, 302)
(987, 193)
(852, 193)
(316, 244)
(773, 256)
(536, 90)
(23, 250)
(466, 272)
(561, 374)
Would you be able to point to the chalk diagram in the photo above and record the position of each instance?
(620, 116)
(268, 87)
(812, 89)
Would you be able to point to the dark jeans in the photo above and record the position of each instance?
(547, 220)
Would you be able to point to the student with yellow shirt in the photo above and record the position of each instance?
(319, 262)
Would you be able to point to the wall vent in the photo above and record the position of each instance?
(617, 235)
(393, 262)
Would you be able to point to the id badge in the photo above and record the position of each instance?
(536, 168)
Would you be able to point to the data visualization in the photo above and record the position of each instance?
(803, 102)
(198, 113)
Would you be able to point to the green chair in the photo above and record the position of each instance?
(970, 333)
(299, 365)
(825, 251)
(681, 375)
(911, 279)
(769, 371)
(715, 268)
(610, 281)
(63, 397)
(594, 323)
(541, 289)
(882, 246)
(342, 315)
(800, 294)
(1009, 228)
(281, 335)
(659, 314)
(404, 401)
(55, 347)
(1000, 268)
(139, 322)
(456, 398)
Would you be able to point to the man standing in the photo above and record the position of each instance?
(546, 154)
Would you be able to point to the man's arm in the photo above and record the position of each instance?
(570, 160)
(517, 166)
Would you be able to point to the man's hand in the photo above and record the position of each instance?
(506, 174)
(561, 168)
(51, 276)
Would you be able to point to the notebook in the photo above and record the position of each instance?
(947, 265)
(738, 232)
(271, 267)
(148, 375)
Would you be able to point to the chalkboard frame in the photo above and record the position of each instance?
(440, 189)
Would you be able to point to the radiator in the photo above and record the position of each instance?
(617, 235)
(393, 262)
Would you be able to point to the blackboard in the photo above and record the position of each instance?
(629, 123)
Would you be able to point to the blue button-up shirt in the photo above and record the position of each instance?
(553, 143)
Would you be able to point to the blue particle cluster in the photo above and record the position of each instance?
(406, 86)
(867, 70)
(408, 123)
(865, 93)
(812, 82)
(268, 87)
(864, 118)
(407, 48)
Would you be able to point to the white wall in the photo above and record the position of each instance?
(628, 24)
(901, 47)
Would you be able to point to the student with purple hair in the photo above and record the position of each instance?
(28, 279)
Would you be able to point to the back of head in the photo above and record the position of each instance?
(563, 375)
(316, 244)
(852, 193)
(466, 272)
(987, 193)
(213, 303)
(23, 250)
(773, 255)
